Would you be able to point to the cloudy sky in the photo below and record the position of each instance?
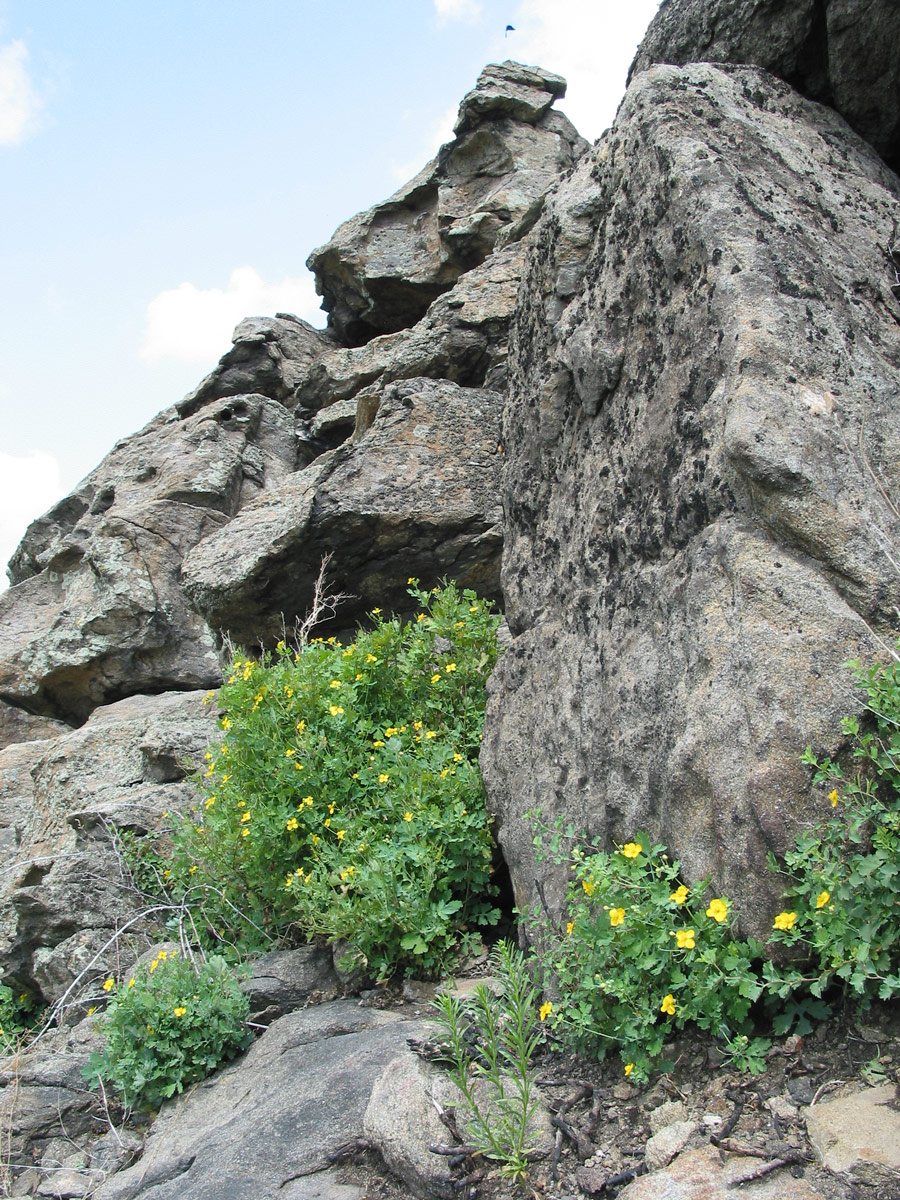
(166, 167)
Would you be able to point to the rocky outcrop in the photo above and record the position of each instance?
(839, 52)
(65, 891)
(703, 458)
(416, 492)
(270, 356)
(98, 611)
(16, 725)
(382, 269)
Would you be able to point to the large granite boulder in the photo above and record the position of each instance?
(97, 610)
(270, 356)
(65, 891)
(416, 492)
(703, 460)
(382, 269)
(839, 52)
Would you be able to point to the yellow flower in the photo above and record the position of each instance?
(685, 939)
(420, 617)
(292, 824)
(301, 725)
(718, 910)
(340, 834)
(90, 1012)
(378, 743)
(371, 658)
(616, 916)
(668, 1005)
(226, 723)
(298, 766)
(429, 733)
(290, 752)
(785, 920)
(179, 1011)
(375, 612)
(327, 822)
(450, 667)
(245, 817)
(289, 881)
(412, 579)
(153, 967)
(331, 809)
(383, 778)
(245, 833)
(166, 872)
(629, 1067)
(679, 895)
(588, 886)
(210, 802)
(417, 724)
(407, 816)
(632, 849)
(335, 710)
(545, 1010)
(833, 797)
(131, 982)
(435, 679)
(279, 646)
(163, 955)
(108, 985)
(822, 899)
(391, 731)
(335, 683)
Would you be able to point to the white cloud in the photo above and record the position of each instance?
(457, 10)
(29, 484)
(591, 43)
(19, 102)
(194, 324)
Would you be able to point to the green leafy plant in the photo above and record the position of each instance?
(642, 954)
(18, 1015)
(842, 911)
(491, 1039)
(170, 1024)
(345, 800)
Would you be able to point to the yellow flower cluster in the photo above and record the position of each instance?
(718, 910)
(632, 849)
(785, 920)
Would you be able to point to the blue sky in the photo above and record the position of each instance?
(166, 167)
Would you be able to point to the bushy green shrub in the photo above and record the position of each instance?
(17, 1018)
(641, 955)
(345, 800)
(842, 910)
(170, 1024)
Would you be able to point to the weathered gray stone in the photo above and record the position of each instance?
(416, 493)
(273, 1117)
(402, 1123)
(462, 337)
(382, 269)
(97, 609)
(703, 443)
(667, 1142)
(701, 1175)
(271, 356)
(839, 52)
(859, 1134)
(64, 892)
(17, 725)
(288, 979)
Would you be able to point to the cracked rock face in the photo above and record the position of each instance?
(97, 610)
(703, 440)
(63, 890)
(382, 269)
(416, 492)
(840, 52)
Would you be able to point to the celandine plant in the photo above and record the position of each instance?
(842, 909)
(345, 800)
(641, 954)
(167, 1025)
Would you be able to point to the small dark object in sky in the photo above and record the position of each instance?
(509, 29)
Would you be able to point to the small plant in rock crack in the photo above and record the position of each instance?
(491, 1039)
(170, 1024)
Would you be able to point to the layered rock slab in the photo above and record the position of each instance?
(416, 493)
(97, 610)
(268, 1124)
(839, 52)
(383, 268)
(703, 444)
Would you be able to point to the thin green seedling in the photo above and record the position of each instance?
(491, 1040)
